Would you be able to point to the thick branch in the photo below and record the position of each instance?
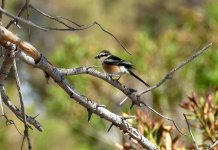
(91, 71)
(6, 35)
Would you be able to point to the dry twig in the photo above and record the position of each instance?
(170, 74)
(26, 133)
(189, 129)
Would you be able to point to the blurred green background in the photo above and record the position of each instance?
(158, 34)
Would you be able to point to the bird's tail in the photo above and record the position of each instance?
(130, 72)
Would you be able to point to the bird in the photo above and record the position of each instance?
(114, 65)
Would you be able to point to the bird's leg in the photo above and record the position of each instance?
(112, 75)
(118, 78)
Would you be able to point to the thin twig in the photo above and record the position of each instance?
(121, 103)
(31, 120)
(26, 134)
(56, 18)
(14, 21)
(159, 114)
(27, 17)
(98, 24)
(11, 122)
(213, 145)
(17, 18)
(4, 71)
(170, 74)
(81, 27)
(22, 20)
(189, 129)
(2, 6)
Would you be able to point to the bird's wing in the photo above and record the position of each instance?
(127, 64)
(114, 60)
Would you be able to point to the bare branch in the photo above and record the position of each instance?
(2, 6)
(5, 68)
(170, 74)
(121, 103)
(26, 133)
(189, 129)
(56, 18)
(69, 28)
(174, 123)
(96, 23)
(81, 27)
(6, 35)
(11, 122)
(118, 121)
(22, 20)
(213, 145)
(28, 16)
(14, 21)
(17, 111)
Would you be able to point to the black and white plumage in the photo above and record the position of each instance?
(115, 65)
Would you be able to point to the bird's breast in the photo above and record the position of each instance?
(113, 69)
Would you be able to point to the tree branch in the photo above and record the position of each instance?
(170, 74)
(26, 132)
(189, 129)
(6, 35)
(79, 27)
(90, 105)
(2, 6)
(213, 145)
(22, 20)
(5, 68)
(31, 120)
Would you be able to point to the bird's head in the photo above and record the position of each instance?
(103, 55)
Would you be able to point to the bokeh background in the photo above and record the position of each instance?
(159, 34)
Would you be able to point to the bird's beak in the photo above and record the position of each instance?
(97, 57)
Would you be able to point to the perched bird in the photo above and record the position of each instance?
(116, 66)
